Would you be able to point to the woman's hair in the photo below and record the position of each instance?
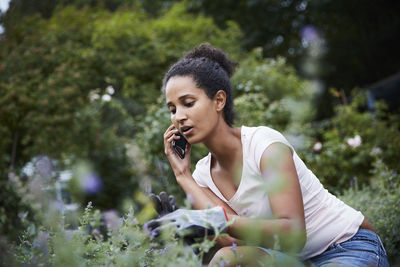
(211, 69)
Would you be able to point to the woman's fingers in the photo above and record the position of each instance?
(170, 134)
(170, 130)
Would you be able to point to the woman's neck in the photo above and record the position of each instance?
(225, 145)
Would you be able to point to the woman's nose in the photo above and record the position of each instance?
(180, 115)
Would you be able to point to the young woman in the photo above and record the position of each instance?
(199, 96)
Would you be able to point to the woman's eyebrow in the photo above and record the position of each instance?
(181, 98)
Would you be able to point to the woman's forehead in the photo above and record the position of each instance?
(179, 86)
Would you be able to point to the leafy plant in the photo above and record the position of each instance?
(380, 204)
(350, 142)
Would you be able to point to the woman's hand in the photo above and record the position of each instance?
(179, 166)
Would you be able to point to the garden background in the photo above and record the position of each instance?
(82, 115)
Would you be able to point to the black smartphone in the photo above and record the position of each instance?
(180, 146)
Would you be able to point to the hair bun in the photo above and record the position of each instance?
(206, 50)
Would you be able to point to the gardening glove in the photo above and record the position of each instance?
(190, 223)
(163, 203)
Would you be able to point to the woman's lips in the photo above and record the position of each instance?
(188, 131)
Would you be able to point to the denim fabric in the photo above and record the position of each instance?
(364, 249)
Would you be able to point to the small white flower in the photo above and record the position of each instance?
(65, 176)
(106, 98)
(354, 142)
(110, 90)
(94, 96)
(317, 147)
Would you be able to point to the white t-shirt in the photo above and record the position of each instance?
(328, 219)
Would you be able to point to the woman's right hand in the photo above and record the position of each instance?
(179, 166)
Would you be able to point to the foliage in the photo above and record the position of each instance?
(269, 92)
(75, 87)
(380, 204)
(350, 143)
(80, 83)
(279, 27)
(15, 215)
(99, 238)
(102, 240)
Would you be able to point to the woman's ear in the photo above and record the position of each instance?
(220, 100)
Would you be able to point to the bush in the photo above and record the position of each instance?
(380, 204)
(269, 92)
(341, 150)
(77, 86)
(123, 244)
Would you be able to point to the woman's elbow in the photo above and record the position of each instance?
(293, 236)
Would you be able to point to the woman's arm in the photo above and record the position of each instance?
(202, 198)
(286, 203)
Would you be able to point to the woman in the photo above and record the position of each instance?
(199, 96)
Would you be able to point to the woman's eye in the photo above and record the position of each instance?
(189, 104)
(172, 111)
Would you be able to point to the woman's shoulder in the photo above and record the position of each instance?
(204, 163)
(201, 173)
(262, 132)
(257, 139)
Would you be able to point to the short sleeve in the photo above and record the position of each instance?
(201, 172)
(262, 138)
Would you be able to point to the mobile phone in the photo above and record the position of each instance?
(180, 146)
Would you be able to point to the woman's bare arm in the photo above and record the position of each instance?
(286, 203)
(204, 198)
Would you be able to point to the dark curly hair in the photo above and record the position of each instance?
(211, 70)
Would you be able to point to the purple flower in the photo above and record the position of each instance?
(149, 232)
(112, 221)
(92, 183)
(309, 34)
(233, 248)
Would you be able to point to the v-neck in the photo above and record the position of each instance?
(242, 137)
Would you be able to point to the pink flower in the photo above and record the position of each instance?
(317, 147)
(354, 142)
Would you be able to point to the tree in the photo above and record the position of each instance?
(359, 37)
(75, 86)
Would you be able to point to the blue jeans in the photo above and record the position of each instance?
(365, 248)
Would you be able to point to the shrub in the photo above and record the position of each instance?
(350, 143)
(269, 92)
(380, 204)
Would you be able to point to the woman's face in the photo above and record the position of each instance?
(193, 113)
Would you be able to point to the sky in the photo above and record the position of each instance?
(4, 5)
(3, 8)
